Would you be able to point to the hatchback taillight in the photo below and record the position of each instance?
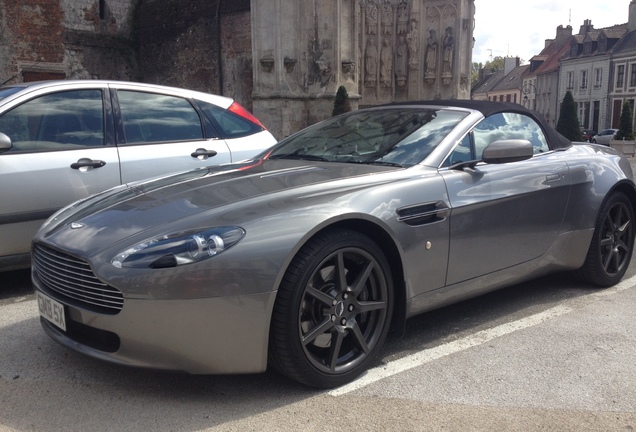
(237, 109)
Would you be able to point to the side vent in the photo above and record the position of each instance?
(423, 214)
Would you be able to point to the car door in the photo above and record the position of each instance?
(59, 153)
(161, 133)
(504, 214)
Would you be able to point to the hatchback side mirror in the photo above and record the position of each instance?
(5, 143)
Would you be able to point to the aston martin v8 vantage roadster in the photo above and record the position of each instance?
(304, 257)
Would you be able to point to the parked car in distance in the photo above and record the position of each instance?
(61, 141)
(588, 134)
(303, 258)
(604, 136)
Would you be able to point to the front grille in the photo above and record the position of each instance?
(71, 279)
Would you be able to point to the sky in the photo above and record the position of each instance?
(516, 28)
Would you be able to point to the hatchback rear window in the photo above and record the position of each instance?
(228, 124)
(8, 91)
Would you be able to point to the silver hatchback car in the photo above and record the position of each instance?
(61, 141)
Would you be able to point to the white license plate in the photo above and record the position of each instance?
(51, 310)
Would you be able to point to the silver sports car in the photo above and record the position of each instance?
(303, 258)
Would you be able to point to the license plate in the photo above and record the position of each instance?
(51, 310)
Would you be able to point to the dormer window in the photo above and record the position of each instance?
(602, 43)
(574, 50)
(587, 48)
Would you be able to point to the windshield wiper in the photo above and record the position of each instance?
(300, 157)
(376, 162)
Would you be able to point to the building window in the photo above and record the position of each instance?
(632, 77)
(570, 80)
(598, 77)
(620, 76)
(102, 9)
(583, 79)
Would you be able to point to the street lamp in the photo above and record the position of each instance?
(529, 89)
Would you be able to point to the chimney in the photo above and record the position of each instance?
(510, 63)
(563, 35)
(631, 25)
(587, 26)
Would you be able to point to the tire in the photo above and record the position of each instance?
(333, 310)
(612, 243)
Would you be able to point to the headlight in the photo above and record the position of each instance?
(179, 249)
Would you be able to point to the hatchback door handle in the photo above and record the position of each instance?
(203, 154)
(88, 163)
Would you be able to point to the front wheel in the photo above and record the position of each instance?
(612, 243)
(333, 310)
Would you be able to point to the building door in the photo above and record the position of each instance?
(596, 115)
(616, 114)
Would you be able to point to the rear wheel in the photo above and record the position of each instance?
(333, 310)
(612, 244)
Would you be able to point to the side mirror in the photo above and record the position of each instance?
(505, 151)
(5, 143)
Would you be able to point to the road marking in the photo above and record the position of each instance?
(428, 355)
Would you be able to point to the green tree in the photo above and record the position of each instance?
(626, 128)
(342, 104)
(568, 124)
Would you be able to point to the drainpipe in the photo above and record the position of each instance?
(218, 46)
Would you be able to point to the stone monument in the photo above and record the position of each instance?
(382, 51)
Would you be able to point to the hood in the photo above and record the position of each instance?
(126, 211)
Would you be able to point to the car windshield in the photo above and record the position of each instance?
(395, 137)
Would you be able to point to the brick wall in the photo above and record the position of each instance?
(31, 34)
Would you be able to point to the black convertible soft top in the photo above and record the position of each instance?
(487, 108)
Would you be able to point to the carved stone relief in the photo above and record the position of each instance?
(408, 49)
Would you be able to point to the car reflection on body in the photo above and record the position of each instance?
(588, 134)
(303, 258)
(61, 141)
(604, 137)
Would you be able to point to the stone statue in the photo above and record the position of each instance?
(412, 41)
(431, 52)
(401, 63)
(386, 63)
(370, 63)
(449, 49)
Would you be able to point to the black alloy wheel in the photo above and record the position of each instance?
(333, 310)
(612, 244)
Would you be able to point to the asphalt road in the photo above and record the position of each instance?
(550, 354)
(546, 355)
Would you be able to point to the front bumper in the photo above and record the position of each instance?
(220, 335)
